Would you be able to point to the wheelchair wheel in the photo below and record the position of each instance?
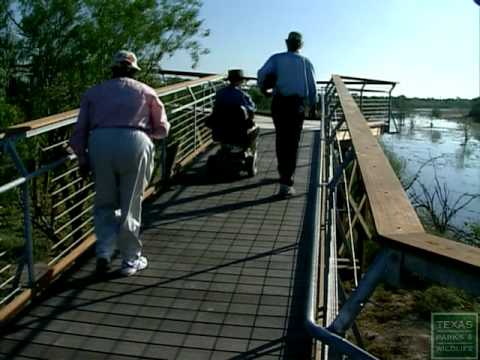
(251, 165)
(212, 167)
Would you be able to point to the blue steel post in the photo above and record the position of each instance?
(27, 220)
(333, 134)
(350, 155)
(366, 286)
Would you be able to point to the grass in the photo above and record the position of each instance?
(11, 231)
(441, 299)
(395, 323)
(11, 243)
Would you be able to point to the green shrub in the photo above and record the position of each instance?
(475, 109)
(370, 251)
(475, 229)
(442, 299)
(262, 102)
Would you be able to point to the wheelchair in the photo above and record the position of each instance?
(238, 145)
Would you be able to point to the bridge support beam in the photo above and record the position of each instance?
(435, 270)
(387, 261)
(391, 265)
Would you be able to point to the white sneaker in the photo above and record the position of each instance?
(130, 268)
(286, 190)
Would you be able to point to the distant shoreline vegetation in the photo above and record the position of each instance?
(475, 110)
(465, 107)
(402, 104)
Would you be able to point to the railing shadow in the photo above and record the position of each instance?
(262, 350)
(79, 284)
(198, 176)
(191, 214)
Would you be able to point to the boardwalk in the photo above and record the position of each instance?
(225, 281)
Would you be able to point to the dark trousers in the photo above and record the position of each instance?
(288, 113)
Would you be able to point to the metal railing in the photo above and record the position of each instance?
(323, 300)
(373, 97)
(52, 204)
(394, 220)
(375, 207)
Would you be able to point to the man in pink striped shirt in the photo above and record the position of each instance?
(117, 120)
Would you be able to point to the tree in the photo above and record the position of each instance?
(262, 102)
(58, 48)
(401, 104)
(52, 50)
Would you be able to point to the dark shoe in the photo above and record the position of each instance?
(103, 266)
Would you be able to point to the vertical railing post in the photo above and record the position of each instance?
(390, 106)
(195, 132)
(27, 220)
(163, 160)
(361, 97)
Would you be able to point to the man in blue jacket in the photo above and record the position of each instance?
(234, 104)
(294, 88)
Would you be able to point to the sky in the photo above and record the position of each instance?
(430, 47)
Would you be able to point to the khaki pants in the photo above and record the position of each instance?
(122, 165)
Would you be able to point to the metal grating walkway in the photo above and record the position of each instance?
(225, 279)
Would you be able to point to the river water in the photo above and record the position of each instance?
(423, 137)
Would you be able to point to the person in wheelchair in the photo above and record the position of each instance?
(233, 126)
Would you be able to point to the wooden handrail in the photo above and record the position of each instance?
(394, 216)
(370, 81)
(167, 89)
(37, 124)
(184, 73)
(22, 128)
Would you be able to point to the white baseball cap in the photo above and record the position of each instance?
(125, 58)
